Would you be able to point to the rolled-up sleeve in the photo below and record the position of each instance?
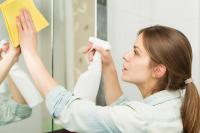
(57, 99)
(79, 115)
(23, 111)
(11, 111)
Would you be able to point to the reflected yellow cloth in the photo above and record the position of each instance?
(11, 9)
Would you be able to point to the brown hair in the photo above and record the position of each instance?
(171, 48)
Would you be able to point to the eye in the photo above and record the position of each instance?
(135, 52)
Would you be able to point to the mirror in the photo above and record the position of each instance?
(73, 23)
(61, 44)
(39, 112)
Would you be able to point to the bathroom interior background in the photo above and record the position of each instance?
(73, 21)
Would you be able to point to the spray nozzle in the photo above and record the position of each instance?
(100, 43)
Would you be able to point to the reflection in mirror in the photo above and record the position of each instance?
(13, 106)
(73, 24)
(14, 111)
(71, 30)
(83, 28)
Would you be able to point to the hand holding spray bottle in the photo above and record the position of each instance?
(23, 83)
(88, 83)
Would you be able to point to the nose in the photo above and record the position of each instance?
(126, 56)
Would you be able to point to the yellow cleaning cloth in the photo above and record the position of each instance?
(11, 9)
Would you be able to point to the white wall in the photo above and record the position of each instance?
(183, 15)
(124, 20)
(127, 17)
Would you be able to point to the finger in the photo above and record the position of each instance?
(5, 47)
(29, 19)
(19, 25)
(92, 53)
(23, 20)
(90, 57)
(102, 51)
(88, 48)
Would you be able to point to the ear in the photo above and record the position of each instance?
(159, 71)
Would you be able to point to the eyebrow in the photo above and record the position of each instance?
(137, 48)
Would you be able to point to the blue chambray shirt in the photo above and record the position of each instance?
(157, 113)
(11, 111)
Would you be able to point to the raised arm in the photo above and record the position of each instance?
(16, 95)
(111, 83)
(14, 109)
(28, 43)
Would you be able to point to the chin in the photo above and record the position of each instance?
(125, 79)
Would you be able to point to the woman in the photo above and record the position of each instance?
(159, 64)
(15, 108)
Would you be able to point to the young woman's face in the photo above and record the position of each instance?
(136, 67)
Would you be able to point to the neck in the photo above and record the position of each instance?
(147, 89)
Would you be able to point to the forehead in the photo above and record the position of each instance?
(139, 43)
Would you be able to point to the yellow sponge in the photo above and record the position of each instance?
(11, 9)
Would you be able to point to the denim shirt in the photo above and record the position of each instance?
(11, 111)
(157, 113)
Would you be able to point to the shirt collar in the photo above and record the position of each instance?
(162, 96)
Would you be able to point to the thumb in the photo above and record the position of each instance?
(5, 47)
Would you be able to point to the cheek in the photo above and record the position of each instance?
(139, 70)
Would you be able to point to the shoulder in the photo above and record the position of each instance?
(141, 117)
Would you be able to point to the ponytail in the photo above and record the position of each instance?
(190, 111)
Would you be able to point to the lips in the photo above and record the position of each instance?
(124, 68)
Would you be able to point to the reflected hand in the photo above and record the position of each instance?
(9, 49)
(27, 33)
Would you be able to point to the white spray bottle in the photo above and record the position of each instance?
(23, 83)
(88, 83)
